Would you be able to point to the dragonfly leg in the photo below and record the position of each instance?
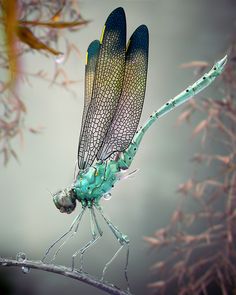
(96, 234)
(122, 239)
(76, 220)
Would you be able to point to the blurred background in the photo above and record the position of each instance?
(180, 31)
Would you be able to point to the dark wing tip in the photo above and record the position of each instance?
(93, 48)
(140, 37)
(143, 31)
(116, 16)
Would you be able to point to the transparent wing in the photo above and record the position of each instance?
(107, 87)
(127, 116)
(90, 68)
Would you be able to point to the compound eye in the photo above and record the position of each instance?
(65, 201)
(62, 210)
(73, 193)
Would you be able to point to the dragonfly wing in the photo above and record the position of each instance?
(127, 116)
(107, 87)
(90, 69)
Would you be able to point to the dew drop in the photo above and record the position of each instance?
(107, 196)
(25, 269)
(59, 59)
(21, 256)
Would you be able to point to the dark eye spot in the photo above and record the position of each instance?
(112, 185)
(204, 78)
(88, 187)
(167, 103)
(214, 68)
(130, 158)
(135, 149)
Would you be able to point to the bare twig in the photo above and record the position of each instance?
(67, 272)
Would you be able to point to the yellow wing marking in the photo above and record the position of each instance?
(86, 61)
(102, 35)
(128, 45)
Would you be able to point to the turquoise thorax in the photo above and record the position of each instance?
(97, 180)
(92, 183)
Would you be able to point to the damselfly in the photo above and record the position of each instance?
(115, 82)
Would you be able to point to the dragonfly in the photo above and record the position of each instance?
(115, 84)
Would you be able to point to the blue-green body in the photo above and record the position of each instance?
(115, 83)
(97, 180)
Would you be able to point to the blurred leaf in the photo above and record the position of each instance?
(57, 15)
(10, 24)
(186, 187)
(55, 25)
(26, 36)
(14, 154)
(5, 155)
(60, 72)
(202, 125)
(184, 116)
(177, 216)
(152, 241)
(189, 219)
(199, 158)
(195, 64)
(36, 130)
(161, 234)
(157, 285)
(224, 159)
(160, 265)
(179, 266)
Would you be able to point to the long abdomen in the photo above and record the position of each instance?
(126, 158)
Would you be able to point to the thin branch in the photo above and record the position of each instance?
(67, 272)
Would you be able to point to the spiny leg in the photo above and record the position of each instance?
(77, 219)
(81, 250)
(70, 236)
(122, 239)
(96, 234)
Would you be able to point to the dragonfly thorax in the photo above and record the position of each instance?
(95, 182)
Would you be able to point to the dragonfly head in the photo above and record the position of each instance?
(65, 200)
